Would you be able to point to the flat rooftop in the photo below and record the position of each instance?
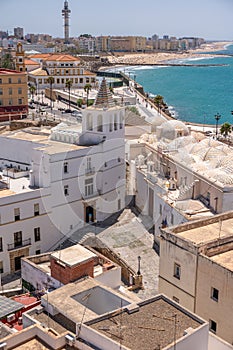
(224, 259)
(205, 233)
(151, 327)
(73, 255)
(83, 299)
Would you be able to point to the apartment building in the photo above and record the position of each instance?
(178, 176)
(196, 270)
(56, 180)
(13, 95)
(62, 68)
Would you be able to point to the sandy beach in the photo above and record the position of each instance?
(163, 57)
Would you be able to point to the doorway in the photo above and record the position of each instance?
(89, 215)
(18, 262)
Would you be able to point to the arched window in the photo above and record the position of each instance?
(115, 122)
(89, 125)
(100, 123)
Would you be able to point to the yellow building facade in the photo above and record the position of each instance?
(13, 95)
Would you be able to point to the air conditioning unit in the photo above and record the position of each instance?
(10, 318)
(69, 339)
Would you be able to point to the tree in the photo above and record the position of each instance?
(7, 61)
(158, 101)
(32, 90)
(51, 81)
(225, 129)
(87, 89)
(68, 86)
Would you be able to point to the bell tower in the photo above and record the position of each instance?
(20, 58)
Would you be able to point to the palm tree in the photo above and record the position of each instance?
(68, 86)
(158, 101)
(51, 81)
(225, 129)
(32, 90)
(87, 89)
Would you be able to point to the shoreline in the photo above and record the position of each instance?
(156, 58)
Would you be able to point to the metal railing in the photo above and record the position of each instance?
(17, 245)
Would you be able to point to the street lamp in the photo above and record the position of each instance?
(217, 117)
(139, 261)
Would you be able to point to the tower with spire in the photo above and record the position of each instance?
(66, 14)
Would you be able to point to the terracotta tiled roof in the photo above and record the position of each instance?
(104, 97)
(87, 72)
(60, 57)
(31, 62)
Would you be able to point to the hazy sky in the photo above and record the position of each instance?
(210, 19)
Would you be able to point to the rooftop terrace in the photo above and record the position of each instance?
(155, 325)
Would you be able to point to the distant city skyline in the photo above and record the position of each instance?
(210, 19)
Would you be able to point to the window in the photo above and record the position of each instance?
(119, 204)
(1, 103)
(36, 209)
(66, 190)
(17, 214)
(160, 209)
(89, 187)
(10, 91)
(10, 102)
(37, 234)
(0, 81)
(65, 167)
(19, 91)
(99, 123)
(81, 80)
(18, 239)
(214, 294)
(19, 81)
(9, 81)
(177, 300)
(1, 92)
(20, 101)
(1, 266)
(115, 122)
(172, 219)
(37, 251)
(88, 163)
(177, 270)
(1, 248)
(213, 326)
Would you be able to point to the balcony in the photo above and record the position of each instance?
(90, 171)
(18, 245)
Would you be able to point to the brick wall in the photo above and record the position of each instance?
(66, 274)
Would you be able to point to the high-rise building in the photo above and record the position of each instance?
(18, 33)
(66, 14)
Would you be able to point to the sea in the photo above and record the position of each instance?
(194, 93)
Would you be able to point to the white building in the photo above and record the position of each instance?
(178, 175)
(67, 176)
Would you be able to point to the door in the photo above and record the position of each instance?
(18, 262)
(89, 214)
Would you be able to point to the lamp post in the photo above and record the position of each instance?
(217, 117)
(139, 261)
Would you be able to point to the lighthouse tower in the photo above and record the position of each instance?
(66, 14)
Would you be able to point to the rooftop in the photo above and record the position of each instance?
(208, 232)
(224, 259)
(72, 300)
(8, 306)
(73, 255)
(151, 326)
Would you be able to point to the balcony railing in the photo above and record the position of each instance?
(90, 171)
(18, 245)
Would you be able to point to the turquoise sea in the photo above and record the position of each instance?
(193, 94)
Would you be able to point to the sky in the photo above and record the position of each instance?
(209, 19)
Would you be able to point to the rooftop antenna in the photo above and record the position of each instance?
(86, 297)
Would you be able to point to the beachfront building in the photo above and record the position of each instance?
(54, 181)
(13, 94)
(62, 68)
(196, 270)
(177, 175)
